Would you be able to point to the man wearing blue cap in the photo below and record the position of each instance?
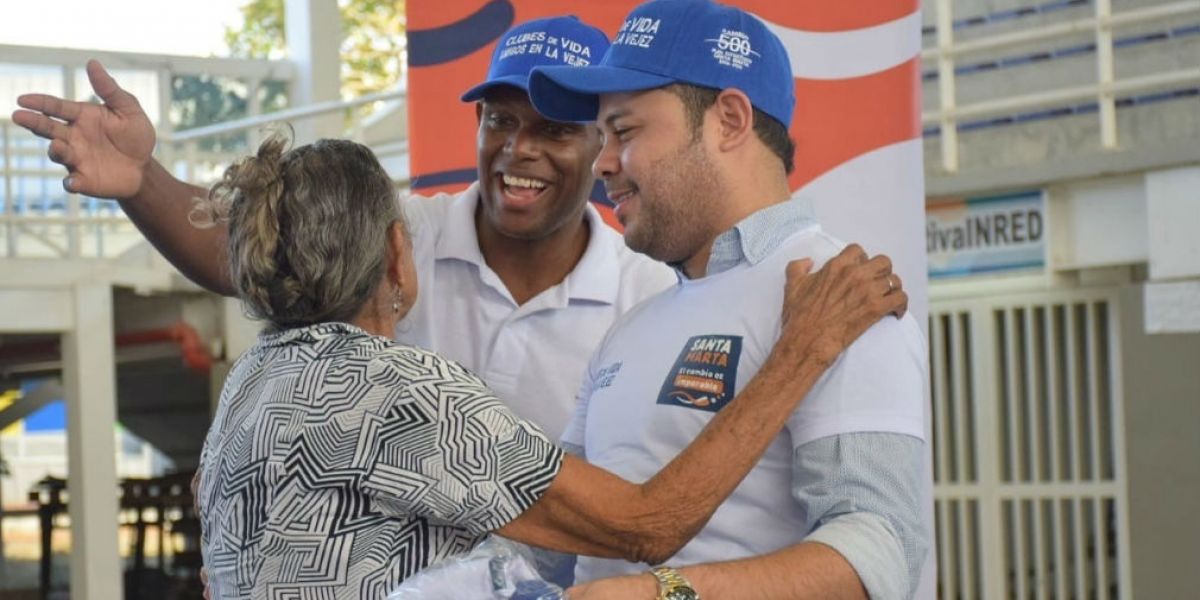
(521, 276)
(694, 100)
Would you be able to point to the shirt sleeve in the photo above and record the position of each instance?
(574, 435)
(573, 449)
(862, 494)
(415, 209)
(445, 448)
(877, 384)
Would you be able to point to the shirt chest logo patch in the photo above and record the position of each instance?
(704, 376)
(605, 376)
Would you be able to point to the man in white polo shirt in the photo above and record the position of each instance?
(523, 276)
(694, 100)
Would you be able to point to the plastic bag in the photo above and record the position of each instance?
(496, 569)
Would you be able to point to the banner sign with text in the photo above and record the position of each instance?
(985, 235)
(857, 80)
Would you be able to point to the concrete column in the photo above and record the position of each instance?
(238, 334)
(1161, 412)
(89, 380)
(238, 331)
(1173, 214)
(314, 38)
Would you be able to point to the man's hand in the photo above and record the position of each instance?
(105, 147)
(841, 301)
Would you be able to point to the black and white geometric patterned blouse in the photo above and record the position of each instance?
(339, 463)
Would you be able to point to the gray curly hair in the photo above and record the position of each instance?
(308, 229)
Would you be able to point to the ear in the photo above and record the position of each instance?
(399, 254)
(734, 119)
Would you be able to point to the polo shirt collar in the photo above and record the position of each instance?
(755, 237)
(459, 238)
(597, 276)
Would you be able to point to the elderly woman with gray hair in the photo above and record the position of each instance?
(340, 462)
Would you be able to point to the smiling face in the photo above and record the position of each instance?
(534, 173)
(658, 174)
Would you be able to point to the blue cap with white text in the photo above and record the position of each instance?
(675, 41)
(561, 41)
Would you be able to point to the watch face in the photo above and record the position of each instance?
(682, 594)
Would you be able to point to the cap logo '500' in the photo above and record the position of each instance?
(637, 32)
(732, 49)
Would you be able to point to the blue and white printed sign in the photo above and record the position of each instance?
(965, 236)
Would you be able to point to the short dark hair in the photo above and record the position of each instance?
(697, 100)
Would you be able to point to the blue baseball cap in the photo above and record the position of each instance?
(550, 41)
(675, 41)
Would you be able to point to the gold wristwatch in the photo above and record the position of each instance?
(672, 585)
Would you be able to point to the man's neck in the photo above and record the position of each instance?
(530, 267)
(696, 265)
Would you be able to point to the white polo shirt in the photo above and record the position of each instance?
(672, 363)
(532, 356)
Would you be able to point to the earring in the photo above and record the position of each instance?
(398, 300)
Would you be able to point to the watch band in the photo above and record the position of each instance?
(672, 585)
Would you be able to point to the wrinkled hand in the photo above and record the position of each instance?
(835, 305)
(105, 147)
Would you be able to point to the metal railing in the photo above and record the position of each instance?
(1105, 90)
(184, 146)
(40, 220)
(1030, 476)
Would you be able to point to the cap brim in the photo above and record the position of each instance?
(477, 93)
(573, 93)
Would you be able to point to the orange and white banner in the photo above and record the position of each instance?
(857, 125)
